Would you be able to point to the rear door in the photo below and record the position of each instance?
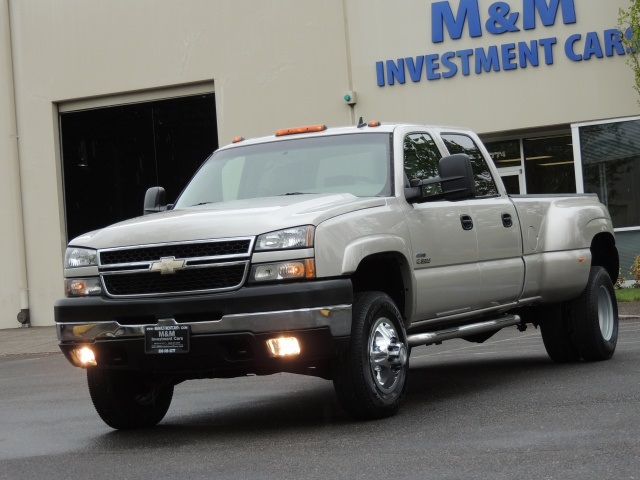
(497, 228)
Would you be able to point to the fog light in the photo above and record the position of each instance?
(84, 357)
(281, 347)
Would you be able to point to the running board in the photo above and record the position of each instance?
(462, 331)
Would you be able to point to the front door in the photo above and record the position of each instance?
(444, 248)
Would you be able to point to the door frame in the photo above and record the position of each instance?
(512, 171)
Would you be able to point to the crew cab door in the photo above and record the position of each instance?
(497, 229)
(444, 245)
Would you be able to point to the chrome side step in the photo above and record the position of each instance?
(462, 331)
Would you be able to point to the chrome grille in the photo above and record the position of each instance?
(184, 281)
(181, 250)
(194, 267)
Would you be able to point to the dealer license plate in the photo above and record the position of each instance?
(166, 340)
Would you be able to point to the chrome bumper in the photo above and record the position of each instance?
(337, 318)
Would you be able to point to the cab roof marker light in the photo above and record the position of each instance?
(297, 130)
(237, 139)
(374, 123)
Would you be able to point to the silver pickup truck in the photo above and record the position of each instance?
(331, 252)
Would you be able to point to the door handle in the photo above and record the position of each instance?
(507, 221)
(466, 221)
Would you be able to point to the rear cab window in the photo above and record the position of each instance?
(460, 143)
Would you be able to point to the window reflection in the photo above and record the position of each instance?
(421, 158)
(457, 143)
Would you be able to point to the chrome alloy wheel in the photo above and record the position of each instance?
(387, 355)
(606, 316)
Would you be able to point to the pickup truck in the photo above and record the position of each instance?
(331, 252)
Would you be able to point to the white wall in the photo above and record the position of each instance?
(274, 64)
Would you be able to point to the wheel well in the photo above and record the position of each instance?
(384, 272)
(605, 254)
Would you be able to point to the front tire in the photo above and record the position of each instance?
(371, 378)
(126, 400)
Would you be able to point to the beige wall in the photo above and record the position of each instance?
(564, 92)
(274, 64)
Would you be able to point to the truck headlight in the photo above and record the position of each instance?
(296, 237)
(80, 257)
(82, 287)
(289, 270)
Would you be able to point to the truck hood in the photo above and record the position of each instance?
(240, 218)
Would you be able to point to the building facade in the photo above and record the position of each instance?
(103, 99)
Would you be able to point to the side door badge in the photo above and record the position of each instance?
(421, 259)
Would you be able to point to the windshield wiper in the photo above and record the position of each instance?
(295, 193)
(201, 203)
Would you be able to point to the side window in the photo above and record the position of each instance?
(457, 143)
(421, 157)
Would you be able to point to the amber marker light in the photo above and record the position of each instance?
(237, 139)
(297, 130)
(374, 123)
(581, 259)
(309, 268)
(283, 346)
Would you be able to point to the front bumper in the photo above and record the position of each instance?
(228, 330)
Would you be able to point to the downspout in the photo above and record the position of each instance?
(14, 167)
(347, 39)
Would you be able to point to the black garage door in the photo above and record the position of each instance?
(112, 155)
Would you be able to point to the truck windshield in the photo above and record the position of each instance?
(358, 164)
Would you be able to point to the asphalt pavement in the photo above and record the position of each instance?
(39, 340)
(501, 410)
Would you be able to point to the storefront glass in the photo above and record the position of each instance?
(611, 168)
(549, 164)
(505, 153)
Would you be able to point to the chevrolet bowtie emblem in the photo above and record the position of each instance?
(167, 265)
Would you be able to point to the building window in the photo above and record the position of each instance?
(505, 154)
(610, 161)
(611, 168)
(549, 165)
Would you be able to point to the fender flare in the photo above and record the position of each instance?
(364, 247)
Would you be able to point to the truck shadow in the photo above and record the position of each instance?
(458, 378)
